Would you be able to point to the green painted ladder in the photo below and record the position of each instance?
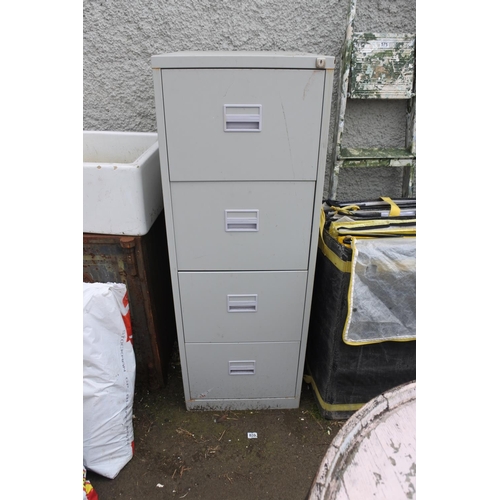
(376, 66)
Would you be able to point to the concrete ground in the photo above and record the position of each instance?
(208, 455)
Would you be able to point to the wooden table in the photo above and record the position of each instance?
(374, 455)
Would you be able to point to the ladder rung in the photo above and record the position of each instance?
(375, 153)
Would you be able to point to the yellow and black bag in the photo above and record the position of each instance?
(362, 328)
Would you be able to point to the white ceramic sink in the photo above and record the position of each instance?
(122, 191)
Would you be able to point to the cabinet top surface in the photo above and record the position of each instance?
(242, 59)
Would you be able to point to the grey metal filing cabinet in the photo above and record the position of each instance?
(243, 140)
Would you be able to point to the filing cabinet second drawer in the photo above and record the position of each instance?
(242, 226)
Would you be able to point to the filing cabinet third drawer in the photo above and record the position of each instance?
(243, 140)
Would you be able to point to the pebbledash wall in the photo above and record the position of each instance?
(119, 39)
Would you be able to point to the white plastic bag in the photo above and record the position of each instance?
(108, 379)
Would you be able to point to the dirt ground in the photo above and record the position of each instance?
(208, 455)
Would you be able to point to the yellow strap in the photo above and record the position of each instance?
(341, 240)
(327, 252)
(347, 210)
(327, 406)
(395, 210)
(349, 291)
(390, 226)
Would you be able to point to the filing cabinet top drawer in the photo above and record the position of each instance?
(242, 124)
(241, 59)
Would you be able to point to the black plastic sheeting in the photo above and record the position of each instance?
(344, 374)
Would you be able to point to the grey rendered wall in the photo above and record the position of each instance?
(120, 37)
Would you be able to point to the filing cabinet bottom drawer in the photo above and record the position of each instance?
(242, 371)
